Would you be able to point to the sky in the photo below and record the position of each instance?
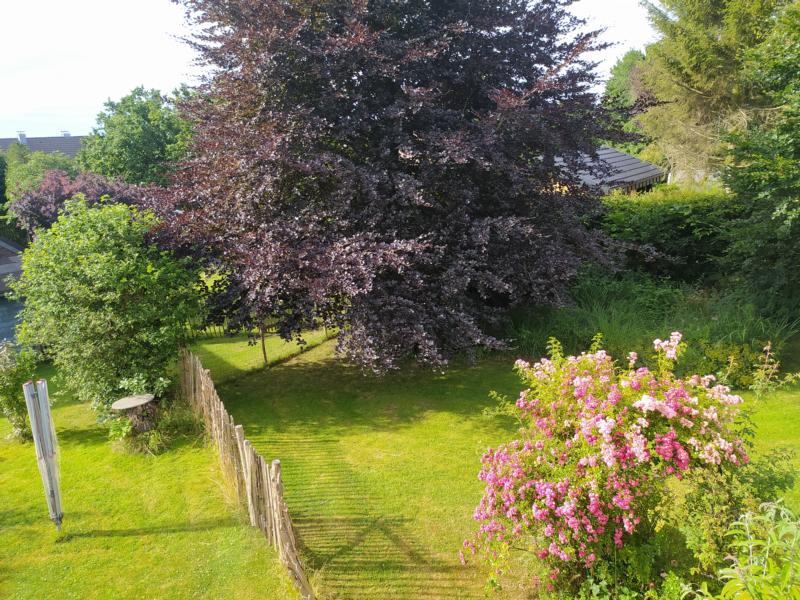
(61, 60)
(625, 23)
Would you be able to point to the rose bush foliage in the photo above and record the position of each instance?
(598, 445)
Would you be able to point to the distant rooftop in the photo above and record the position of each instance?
(64, 143)
(626, 172)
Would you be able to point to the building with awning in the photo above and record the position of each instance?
(616, 170)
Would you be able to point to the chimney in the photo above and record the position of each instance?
(65, 134)
(22, 138)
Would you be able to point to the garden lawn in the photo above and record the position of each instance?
(229, 357)
(135, 526)
(380, 474)
(777, 420)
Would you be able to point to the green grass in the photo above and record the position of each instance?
(135, 526)
(229, 357)
(632, 310)
(380, 474)
(380, 478)
(777, 420)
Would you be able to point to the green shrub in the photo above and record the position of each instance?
(711, 501)
(10, 231)
(176, 421)
(8, 227)
(3, 169)
(602, 585)
(106, 304)
(631, 310)
(747, 241)
(765, 556)
(25, 170)
(764, 259)
(15, 369)
(688, 229)
(602, 444)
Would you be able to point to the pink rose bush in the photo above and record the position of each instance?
(598, 445)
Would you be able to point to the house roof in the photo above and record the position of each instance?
(67, 144)
(622, 171)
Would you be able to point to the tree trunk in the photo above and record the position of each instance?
(263, 345)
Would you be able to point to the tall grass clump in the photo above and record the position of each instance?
(727, 333)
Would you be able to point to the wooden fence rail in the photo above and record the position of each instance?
(202, 331)
(258, 484)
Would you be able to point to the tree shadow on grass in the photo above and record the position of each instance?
(355, 549)
(85, 436)
(301, 410)
(166, 529)
(320, 392)
(98, 435)
(375, 557)
(14, 517)
(279, 351)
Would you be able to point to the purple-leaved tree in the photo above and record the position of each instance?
(400, 170)
(41, 206)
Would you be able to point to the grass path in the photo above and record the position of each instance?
(135, 526)
(380, 473)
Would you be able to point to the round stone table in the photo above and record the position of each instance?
(140, 409)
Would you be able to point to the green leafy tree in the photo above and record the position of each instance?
(105, 303)
(8, 228)
(25, 170)
(17, 153)
(620, 91)
(696, 72)
(16, 367)
(623, 95)
(137, 138)
(763, 168)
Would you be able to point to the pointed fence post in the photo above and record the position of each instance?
(46, 444)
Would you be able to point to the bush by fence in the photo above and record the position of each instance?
(258, 484)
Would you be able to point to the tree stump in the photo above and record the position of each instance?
(140, 409)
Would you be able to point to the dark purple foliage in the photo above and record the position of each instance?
(40, 207)
(401, 170)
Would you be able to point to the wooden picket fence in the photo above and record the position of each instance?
(202, 331)
(258, 484)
